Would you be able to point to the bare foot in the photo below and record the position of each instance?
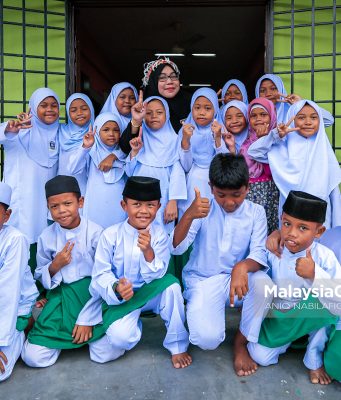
(319, 376)
(243, 363)
(181, 360)
(41, 303)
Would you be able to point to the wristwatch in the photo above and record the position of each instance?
(114, 286)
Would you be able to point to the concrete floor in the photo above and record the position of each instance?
(145, 373)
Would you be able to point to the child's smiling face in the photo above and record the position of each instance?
(79, 112)
(307, 119)
(203, 111)
(155, 115)
(48, 110)
(233, 93)
(125, 100)
(140, 213)
(235, 121)
(110, 133)
(64, 209)
(258, 117)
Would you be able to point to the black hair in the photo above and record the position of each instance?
(5, 206)
(229, 171)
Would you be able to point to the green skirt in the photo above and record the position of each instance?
(55, 324)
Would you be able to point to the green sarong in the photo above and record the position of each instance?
(55, 324)
(22, 322)
(332, 356)
(280, 328)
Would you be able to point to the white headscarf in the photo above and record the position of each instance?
(306, 164)
(202, 142)
(71, 134)
(160, 146)
(41, 141)
(100, 151)
(110, 103)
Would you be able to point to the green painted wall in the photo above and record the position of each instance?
(318, 35)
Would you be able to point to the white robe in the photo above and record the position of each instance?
(102, 200)
(50, 242)
(63, 169)
(18, 292)
(172, 181)
(27, 180)
(119, 256)
(327, 274)
(220, 241)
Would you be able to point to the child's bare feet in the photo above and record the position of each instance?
(181, 360)
(319, 376)
(243, 363)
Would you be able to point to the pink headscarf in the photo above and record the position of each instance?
(258, 171)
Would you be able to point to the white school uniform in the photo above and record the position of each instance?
(327, 274)
(31, 159)
(196, 160)
(118, 256)
(103, 193)
(159, 158)
(306, 164)
(220, 241)
(51, 242)
(18, 293)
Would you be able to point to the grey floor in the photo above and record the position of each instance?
(146, 373)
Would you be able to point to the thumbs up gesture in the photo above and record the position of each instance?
(305, 266)
(200, 206)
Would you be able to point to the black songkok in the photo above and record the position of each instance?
(142, 188)
(305, 206)
(61, 184)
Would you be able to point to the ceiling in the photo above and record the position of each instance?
(119, 40)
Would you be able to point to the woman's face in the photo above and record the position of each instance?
(168, 83)
(125, 100)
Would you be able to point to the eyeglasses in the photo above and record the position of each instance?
(173, 77)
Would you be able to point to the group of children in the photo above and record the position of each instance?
(229, 177)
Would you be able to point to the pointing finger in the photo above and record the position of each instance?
(141, 96)
(219, 92)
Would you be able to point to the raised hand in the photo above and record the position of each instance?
(187, 133)
(138, 111)
(81, 333)
(230, 142)
(136, 144)
(23, 122)
(64, 257)
(200, 206)
(89, 138)
(125, 289)
(283, 129)
(106, 164)
(305, 266)
(290, 98)
(262, 130)
(171, 211)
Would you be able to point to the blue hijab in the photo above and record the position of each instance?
(241, 137)
(41, 141)
(240, 85)
(202, 142)
(71, 134)
(160, 146)
(110, 103)
(281, 108)
(100, 151)
(306, 164)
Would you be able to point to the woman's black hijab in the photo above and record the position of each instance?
(179, 105)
